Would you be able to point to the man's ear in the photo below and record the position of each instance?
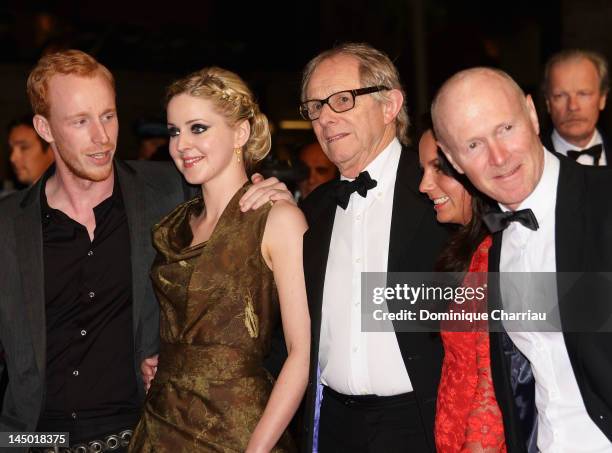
(242, 133)
(392, 105)
(602, 101)
(449, 156)
(533, 115)
(41, 125)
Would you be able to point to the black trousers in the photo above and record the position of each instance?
(370, 424)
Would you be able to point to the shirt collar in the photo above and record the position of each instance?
(114, 200)
(540, 200)
(563, 146)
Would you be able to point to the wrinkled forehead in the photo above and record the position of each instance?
(577, 63)
(337, 73)
(578, 70)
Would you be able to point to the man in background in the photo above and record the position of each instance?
(576, 86)
(320, 168)
(29, 154)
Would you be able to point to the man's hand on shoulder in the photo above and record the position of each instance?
(264, 190)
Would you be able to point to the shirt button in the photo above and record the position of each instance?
(358, 217)
(355, 348)
(73, 415)
(91, 294)
(47, 216)
(75, 373)
(83, 332)
(356, 304)
(358, 260)
(90, 253)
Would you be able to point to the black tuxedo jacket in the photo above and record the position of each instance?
(150, 190)
(583, 243)
(546, 138)
(414, 244)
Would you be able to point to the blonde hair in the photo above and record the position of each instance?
(67, 62)
(375, 68)
(234, 100)
(598, 60)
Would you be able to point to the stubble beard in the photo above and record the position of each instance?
(95, 174)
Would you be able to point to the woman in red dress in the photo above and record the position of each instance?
(468, 418)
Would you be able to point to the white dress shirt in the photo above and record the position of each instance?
(351, 361)
(562, 146)
(563, 423)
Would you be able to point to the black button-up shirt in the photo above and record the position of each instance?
(88, 297)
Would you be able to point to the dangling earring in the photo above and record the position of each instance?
(237, 151)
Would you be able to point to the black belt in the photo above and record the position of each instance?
(368, 400)
(111, 442)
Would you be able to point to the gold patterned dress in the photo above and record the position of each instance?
(218, 306)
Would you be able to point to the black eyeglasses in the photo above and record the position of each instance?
(339, 102)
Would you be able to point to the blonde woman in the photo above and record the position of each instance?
(221, 276)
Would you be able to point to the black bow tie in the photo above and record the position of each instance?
(593, 151)
(498, 221)
(361, 185)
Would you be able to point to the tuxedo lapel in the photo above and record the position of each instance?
(570, 237)
(320, 210)
(406, 215)
(495, 252)
(316, 252)
(405, 219)
(546, 139)
(515, 394)
(569, 219)
(29, 245)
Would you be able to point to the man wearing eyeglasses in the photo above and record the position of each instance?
(378, 388)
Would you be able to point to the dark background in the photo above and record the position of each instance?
(146, 45)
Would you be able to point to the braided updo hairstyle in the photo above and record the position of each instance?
(234, 100)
